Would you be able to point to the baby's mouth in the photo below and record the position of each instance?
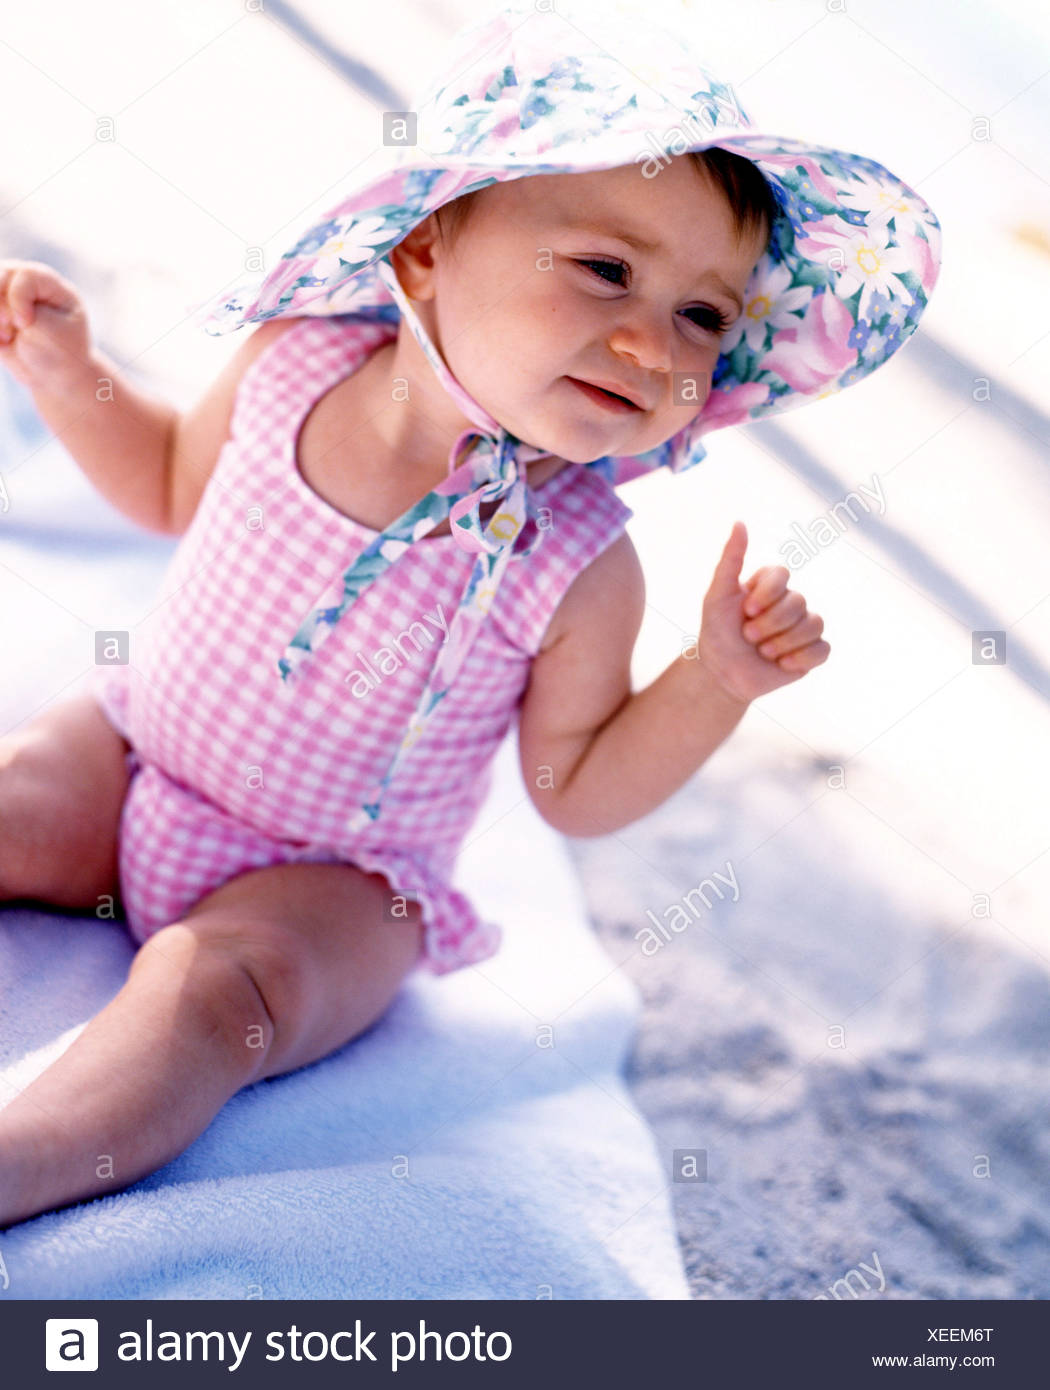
(611, 400)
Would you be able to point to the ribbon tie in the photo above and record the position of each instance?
(494, 466)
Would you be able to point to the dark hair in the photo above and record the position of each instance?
(750, 197)
(742, 182)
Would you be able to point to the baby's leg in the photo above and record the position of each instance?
(275, 969)
(63, 780)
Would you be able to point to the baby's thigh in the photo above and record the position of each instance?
(323, 946)
(63, 780)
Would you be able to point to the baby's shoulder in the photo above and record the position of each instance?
(610, 585)
(201, 431)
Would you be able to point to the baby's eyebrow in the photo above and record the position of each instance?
(641, 244)
(620, 233)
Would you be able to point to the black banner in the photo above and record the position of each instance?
(538, 1344)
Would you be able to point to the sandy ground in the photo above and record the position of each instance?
(857, 1034)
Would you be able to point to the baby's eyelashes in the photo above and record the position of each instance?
(599, 266)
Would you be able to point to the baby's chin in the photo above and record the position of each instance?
(560, 449)
(566, 455)
(580, 451)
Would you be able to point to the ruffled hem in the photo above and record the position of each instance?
(454, 935)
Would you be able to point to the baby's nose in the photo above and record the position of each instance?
(645, 341)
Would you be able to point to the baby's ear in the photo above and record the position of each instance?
(413, 259)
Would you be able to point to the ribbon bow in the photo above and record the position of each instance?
(494, 467)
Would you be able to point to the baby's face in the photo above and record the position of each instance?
(520, 316)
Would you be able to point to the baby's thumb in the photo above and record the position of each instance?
(726, 579)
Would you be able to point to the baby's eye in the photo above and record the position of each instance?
(716, 320)
(604, 266)
(712, 320)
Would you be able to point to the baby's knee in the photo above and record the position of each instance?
(244, 981)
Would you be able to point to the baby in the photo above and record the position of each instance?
(574, 309)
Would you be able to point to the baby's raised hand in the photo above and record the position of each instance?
(760, 635)
(44, 334)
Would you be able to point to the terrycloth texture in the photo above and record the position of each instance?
(530, 1173)
(234, 776)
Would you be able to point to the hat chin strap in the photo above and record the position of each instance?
(459, 394)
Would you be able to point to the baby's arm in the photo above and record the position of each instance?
(151, 462)
(595, 756)
(119, 435)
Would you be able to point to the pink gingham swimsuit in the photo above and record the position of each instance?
(228, 773)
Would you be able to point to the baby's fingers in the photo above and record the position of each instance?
(805, 658)
(765, 585)
(23, 285)
(785, 613)
(802, 635)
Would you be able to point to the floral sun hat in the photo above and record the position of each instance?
(852, 258)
